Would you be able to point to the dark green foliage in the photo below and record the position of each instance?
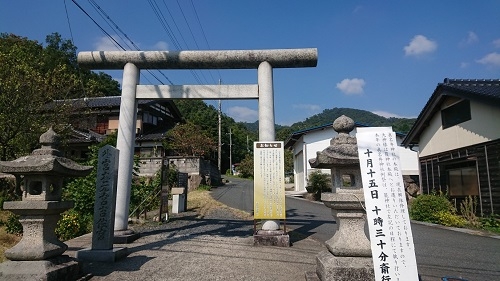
(73, 224)
(429, 207)
(206, 117)
(364, 117)
(8, 191)
(491, 223)
(319, 182)
(13, 226)
(32, 75)
(144, 194)
(246, 167)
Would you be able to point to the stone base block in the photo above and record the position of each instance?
(312, 276)
(54, 269)
(271, 238)
(333, 268)
(102, 255)
(125, 236)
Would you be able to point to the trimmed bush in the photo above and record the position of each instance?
(72, 224)
(428, 207)
(319, 182)
(447, 218)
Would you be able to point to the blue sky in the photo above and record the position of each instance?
(386, 57)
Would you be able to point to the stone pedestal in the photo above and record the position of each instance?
(348, 256)
(350, 239)
(335, 268)
(38, 255)
(39, 219)
(271, 238)
(54, 269)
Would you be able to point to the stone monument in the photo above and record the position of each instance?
(38, 256)
(104, 210)
(348, 255)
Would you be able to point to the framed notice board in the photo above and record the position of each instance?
(269, 180)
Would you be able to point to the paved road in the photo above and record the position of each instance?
(439, 251)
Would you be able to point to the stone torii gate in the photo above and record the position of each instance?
(132, 61)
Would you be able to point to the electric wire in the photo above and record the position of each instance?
(73, 42)
(204, 36)
(113, 40)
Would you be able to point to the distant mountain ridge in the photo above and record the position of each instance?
(401, 125)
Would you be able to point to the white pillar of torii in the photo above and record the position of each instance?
(132, 61)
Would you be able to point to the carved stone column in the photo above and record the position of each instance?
(38, 254)
(348, 254)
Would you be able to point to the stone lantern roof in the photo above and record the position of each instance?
(45, 160)
(343, 148)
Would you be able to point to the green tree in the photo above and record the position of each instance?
(190, 140)
(246, 167)
(32, 75)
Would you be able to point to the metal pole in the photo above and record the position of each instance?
(231, 150)
(220, 132)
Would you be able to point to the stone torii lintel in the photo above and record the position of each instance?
(204, 92)
(212, 59)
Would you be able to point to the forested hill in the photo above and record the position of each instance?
(401, 125)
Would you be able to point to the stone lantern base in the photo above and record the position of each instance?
(58, 268)
(333, 268)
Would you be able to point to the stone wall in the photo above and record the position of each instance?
(200, 171)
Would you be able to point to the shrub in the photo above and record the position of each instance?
(7, 190)
(468, 210)
(491, 223)
(246, 167)
(447, 218)
(13, 226)
(426, 207)
(73, 224)
(319, 182)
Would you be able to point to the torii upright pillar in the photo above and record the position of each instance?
(132, 61)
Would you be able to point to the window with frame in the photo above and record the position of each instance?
(456, 114)
(462, 179)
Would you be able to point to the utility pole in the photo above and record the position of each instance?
(230, 151)
(220, 132)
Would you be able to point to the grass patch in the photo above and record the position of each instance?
(202, 203)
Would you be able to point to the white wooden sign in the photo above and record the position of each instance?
(386, 209)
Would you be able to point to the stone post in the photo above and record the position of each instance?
(348, 254)
(126, 144)
(38, 256)
(104, 210)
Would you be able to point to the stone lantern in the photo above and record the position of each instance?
(39, 251)
(349, 254)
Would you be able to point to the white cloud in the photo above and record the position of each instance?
(160, 46)
(464, 65)
(420, 45)
(351, 86)
(243, 114)
(389, 114)
(496, 43)
(492, 59)
(106, 44)
(308, 107)
(470, 39)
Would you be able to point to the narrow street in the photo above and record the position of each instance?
(439, 251)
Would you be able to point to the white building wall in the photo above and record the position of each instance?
(481, 128)
(309, 144)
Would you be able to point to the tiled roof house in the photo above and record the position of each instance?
(100, 118)
(458, 135)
